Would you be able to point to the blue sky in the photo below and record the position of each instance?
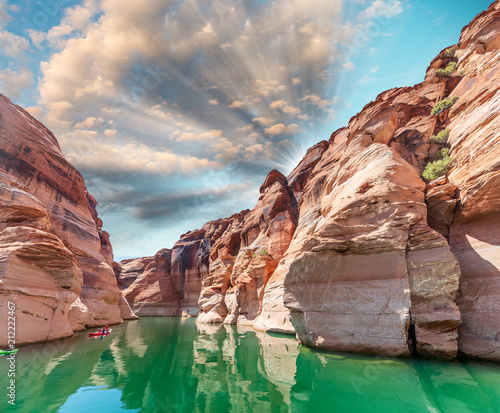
(175, 110)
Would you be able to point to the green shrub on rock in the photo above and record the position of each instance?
(440, 167)
(444, 105)
(448, 71)
(441, 138)
(443, 153)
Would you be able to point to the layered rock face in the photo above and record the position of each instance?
(472, 228)
(189, 280)
(475, 144)
(220, 271)
(266, 235)
(150, 281)
(354, 274)
(354, 251)
(54, 259)
(217, 257)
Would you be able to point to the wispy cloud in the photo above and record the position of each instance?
(381, 8)
(4, 14)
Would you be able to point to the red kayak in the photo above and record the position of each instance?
(99, 333)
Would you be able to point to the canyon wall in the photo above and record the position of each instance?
(353, 251)
(475, 144)
(55, 260)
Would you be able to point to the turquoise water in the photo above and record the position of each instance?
(174, 365)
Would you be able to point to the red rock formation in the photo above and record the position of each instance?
(266, 235)
(299, 176)
(441, 202)
(152, 291)
(225, 265)
(347, 278)
(189, 280)
(186, 272)
(432, 270)
(127, 271)
(55, 261)
(217, 256)
(475, 144)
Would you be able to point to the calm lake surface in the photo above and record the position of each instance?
(174, 365)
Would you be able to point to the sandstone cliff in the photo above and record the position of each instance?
(475, 143)
(54, 258)
(189, 280)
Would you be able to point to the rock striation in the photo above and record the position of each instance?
(266, 235)
(54, 257)
(189, 280)
(474, 234)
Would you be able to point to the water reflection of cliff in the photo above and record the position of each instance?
(173, 365)
(240, 368)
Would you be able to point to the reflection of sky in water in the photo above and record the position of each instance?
(175, 365)
(94, 399)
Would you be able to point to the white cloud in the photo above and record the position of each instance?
(35, 111)
(307, 29)
(226, 151)
(12, 83)
(37, 37)
(245, 129)
(348, 66)
(89, 123)
(317, 101)
(4, 15)
(381, 8)
(12, 45)
(267, 88)
(282, 129)
(236, 104)
(129, 157)
(76, 19)
(285, 107)
(263, 121)
(252, 152)
(140, 75)
(195, 137)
